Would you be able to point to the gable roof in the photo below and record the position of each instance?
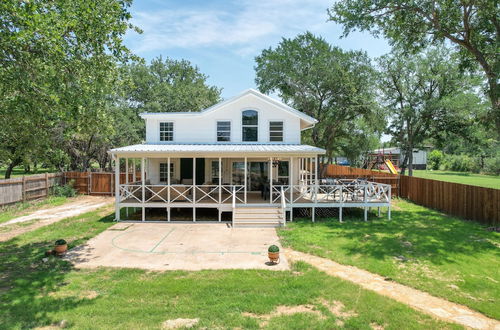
(306, 118)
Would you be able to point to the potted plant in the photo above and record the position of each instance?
(274, 254)
(61, 246)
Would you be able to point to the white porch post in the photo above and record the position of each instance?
(270, 180)
(143, 184)
(117, 188)
(290, 185)
(168, 188)
(126, 182)
(194, 189)
(134, 176)
(126, 170)
(316, 179)
(245, 180)
(220, 181)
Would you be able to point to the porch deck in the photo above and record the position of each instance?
(351, 193)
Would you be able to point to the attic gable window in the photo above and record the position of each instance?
(276, 131)
(249, 125)
(167, 131)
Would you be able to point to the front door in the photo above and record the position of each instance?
(187, 169)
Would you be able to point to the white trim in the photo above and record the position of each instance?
(265, 98)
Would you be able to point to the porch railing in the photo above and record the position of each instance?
(369, 192)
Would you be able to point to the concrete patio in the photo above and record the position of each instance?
(168, 246)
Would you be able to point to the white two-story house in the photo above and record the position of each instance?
(243, 155)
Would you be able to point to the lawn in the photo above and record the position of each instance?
(19, 171)
(19, 209)
(481, 180)
(36, 293)
(419, 247)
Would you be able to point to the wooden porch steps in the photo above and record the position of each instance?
(265, 216)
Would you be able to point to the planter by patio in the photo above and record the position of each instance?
(273, 253)
(60, 246)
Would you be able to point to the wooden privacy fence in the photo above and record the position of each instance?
(465, 201)
(345, 172)
(28, 188)
(97, 183)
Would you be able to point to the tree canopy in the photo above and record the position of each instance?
(427, 96)
(327, 83)
(473, 26)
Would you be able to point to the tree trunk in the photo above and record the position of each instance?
(11, 166)
(410, 161)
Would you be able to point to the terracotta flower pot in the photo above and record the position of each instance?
(273, 256)
(60, 249)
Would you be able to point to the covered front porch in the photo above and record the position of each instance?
(280, 179)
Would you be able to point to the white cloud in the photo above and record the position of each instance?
(243, 26)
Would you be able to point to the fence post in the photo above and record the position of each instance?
(46, 184)
(24, 189)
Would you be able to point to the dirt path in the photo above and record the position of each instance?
(50, 215)
(419, 300)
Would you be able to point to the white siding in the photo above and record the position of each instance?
(203, 128)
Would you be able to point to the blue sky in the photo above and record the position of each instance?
(223, 37)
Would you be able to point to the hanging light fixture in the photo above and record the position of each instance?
(276, 162)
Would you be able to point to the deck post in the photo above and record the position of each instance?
(378, 211)
(313, 211)
(245, 179)
(290, 180)
(134, 175)
(316, 179)
(143, 184)
(117, 188)
(126, 182)
(219, 214)
(291, 213)
(194, 189)
(220, 182)
(340, 214)
(168, 188)
(364, 202)
(270, 180)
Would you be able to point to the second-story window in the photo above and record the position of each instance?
(249, 125)
(167, 131)
(276, 131)
(224, 131)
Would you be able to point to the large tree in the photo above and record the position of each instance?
(473, 26)
(427, 96)
(56, 60)
(325, 82)
(169, 85)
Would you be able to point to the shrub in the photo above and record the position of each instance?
(273, 248)
(60, 242)
(435, 159)
(492, 165)
(459, 163)
(66, 190)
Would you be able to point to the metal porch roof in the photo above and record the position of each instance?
(218, 148)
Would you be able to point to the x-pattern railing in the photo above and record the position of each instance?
(229, 189)
(129, 191)
(182, 192)
(278, 190)
(156, 193)
(207, 191)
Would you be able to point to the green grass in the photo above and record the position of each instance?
(34, 293)
(19, 171)
(419, 247)
(481, 180)
(19, 209)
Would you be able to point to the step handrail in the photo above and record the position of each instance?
(283, 206)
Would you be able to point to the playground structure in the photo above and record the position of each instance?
(383, 161)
